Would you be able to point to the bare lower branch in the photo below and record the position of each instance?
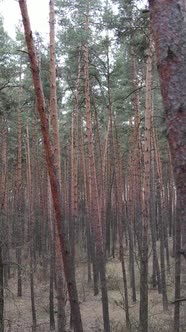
(179, 300)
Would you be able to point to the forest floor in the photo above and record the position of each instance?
(18, 310)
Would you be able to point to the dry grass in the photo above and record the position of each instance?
(18, 310)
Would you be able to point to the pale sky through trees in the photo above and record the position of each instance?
(38, 11)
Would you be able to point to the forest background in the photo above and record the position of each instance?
(109, 166)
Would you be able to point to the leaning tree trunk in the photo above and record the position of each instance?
(169, 28)
(54, 181)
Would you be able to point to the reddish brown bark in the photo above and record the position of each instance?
(74, 166)
(169, 28)
(136, 156)
(53, 96)
(97, 225)
(168, 23)
(54, 181)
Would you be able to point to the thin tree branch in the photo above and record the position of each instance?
(179, 300)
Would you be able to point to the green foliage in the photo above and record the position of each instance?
(114, 27)
(6, 57)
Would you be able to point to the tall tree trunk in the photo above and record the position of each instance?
(4, 236)
(52, 259)
(162, 254)
(169, 28)
(56, 145)
(120, 230)
(1, 290)
(130, 221)
(19, 196)
(161, 209)
(177, 291)
(137, 155)
(156, 277)
(86, 204)
(94, 188)
(74, 166)
(143, 316)
(31, 231)
(54, 180)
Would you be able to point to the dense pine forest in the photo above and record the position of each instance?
(93, 169)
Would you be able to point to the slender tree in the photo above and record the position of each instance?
(94, 187)
(3, 206)
(56, 145)
(143, 317)
(19, 196)
(31, 230)
(54, 180)
(161, 203)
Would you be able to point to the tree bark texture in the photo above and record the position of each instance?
(168, 19)
(169, 27)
